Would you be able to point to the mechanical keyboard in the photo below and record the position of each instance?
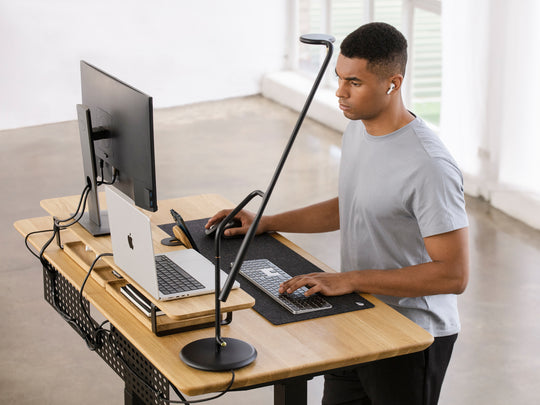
(268, 277)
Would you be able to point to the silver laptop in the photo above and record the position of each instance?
(133, 250)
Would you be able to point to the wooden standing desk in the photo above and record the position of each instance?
(288, 355)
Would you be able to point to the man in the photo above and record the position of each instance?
(401, 214)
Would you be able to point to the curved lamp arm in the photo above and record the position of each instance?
(217, 354)
(313, 39)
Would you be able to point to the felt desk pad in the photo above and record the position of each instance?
(266, 247)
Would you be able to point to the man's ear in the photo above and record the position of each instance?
(394, 83)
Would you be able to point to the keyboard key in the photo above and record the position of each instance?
(172, 279)
(268, 277)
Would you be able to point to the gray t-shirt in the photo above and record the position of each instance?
(395, 190)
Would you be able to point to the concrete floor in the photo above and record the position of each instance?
(231, 147)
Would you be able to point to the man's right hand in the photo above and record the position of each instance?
(244, 217)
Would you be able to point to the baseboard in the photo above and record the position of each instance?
(519, 204)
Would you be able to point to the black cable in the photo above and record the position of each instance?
(33, 233)
(83, 194)
(46, 245)
(94, 341)
(102, 181)
(68, 318)
(57, 227)
(59, 224)
(179, 394)
(162, 397)
(198, 401)
(84, 197)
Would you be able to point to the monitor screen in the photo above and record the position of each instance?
(117, 141)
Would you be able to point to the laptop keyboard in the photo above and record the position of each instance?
(172, 279)
(267, 276)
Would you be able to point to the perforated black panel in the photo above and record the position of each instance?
(143, 382)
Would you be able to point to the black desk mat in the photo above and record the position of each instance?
(266, 247)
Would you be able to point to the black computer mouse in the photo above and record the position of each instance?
(234, 223)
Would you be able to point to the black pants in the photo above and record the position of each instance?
(414, 379)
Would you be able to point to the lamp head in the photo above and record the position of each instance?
(317, 39)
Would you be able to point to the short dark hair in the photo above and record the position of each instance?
(382, 45)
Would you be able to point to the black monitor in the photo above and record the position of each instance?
(117, 142)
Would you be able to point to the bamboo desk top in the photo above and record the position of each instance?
(286, 351)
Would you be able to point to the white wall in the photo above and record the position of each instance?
(491, 104)
(178, 51)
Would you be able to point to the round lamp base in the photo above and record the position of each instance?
(205, 354)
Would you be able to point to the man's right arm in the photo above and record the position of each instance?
(320, 217)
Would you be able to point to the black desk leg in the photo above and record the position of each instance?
(291, 392)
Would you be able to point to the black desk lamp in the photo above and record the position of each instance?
(221, 354)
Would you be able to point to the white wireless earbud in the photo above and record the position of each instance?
(392, 87)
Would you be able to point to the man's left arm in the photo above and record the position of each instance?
(447, 273)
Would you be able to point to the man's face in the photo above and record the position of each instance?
(361, 93)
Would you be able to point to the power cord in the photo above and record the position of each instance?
(82, 201)
(162, 397)
(28, 236)
(96, 338)
(96, 341)
(93, 341)
(102, 181)
(57, 225)
(60, 224)
(199, 401)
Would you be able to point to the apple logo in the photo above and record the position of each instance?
(130, 241)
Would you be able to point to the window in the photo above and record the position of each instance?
(420, 22)
(426, 65)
